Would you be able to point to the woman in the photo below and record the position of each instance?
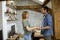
(26, 26)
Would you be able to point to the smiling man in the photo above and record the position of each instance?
(47, 28)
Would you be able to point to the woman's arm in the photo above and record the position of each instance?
(31, 28)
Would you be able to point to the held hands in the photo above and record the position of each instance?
(37, 28)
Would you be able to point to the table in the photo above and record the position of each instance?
(14, 37)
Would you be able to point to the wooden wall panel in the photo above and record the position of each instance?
(56, 13)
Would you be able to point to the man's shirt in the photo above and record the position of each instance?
(47, 22)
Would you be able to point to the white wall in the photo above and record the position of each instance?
(49, 5)
(6, 25)
(4, 21)
(35, 19)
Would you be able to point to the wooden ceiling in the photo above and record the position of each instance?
(32, 7)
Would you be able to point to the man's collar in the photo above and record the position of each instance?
(45, 14)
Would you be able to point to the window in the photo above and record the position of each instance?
(42, 1)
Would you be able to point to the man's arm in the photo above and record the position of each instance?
(49, 22)
(47, 27)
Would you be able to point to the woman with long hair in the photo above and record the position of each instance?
(26, 26)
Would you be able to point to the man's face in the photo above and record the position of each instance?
(42, 10)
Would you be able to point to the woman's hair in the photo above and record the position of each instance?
(24, 14)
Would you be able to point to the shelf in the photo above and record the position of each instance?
(11, 6)
(14, 37)
(10, 13)
(11, 19)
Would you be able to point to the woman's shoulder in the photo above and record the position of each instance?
(25, 20)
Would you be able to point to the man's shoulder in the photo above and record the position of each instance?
(48, 14)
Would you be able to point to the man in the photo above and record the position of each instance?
(46, 29)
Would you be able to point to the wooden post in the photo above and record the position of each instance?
(56, 14)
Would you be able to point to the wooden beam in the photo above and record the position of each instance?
(32, 7)
(29, 7)
(46, 2)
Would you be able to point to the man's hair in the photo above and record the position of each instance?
(45, 8)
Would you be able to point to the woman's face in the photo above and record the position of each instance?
(27, 15)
